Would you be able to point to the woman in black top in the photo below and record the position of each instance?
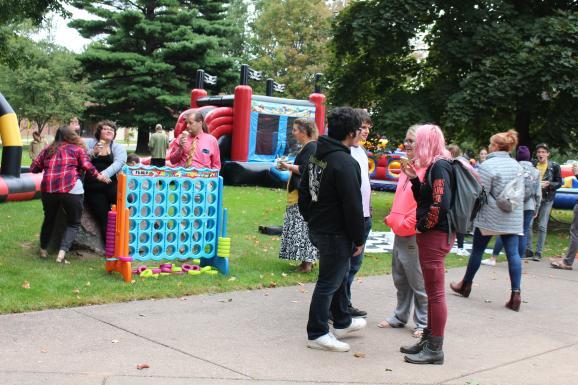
(295, 243)
(433, 195)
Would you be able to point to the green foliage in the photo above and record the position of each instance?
(46, 84)
(144, 62)
(289, 42)
(475, 67)
(34, 10)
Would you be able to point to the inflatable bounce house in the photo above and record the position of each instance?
(14, 185)
(567, 195)
(253, 130)
(384, 170)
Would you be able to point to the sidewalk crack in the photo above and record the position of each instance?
(165, 345)
(509, 363)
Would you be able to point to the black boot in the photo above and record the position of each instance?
(416, 348)
(431, 353)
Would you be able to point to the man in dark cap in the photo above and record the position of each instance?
(550, 176)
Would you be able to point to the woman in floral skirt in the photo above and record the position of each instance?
(295, 243)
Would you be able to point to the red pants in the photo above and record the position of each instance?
(432, 248)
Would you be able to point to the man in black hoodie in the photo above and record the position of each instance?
(330, 202)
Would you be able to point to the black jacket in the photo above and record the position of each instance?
(330, 192)
(433, 201)
(554, 176)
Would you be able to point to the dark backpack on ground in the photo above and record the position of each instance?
(468, 196)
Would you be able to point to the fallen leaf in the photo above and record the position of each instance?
(294, 301)
(115, 341)
(359, 355)
(232, 278)
(266, 294)
(142, 315)
(142, 366)
(26, 245)
(43, 350)
(26, 285)
(488, 301)
(76, 291)
(272, 284)
(283, 274)
(226, 300)
(299, 283)
(388, 370)
(302, 290)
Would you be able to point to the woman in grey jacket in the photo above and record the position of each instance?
(108, 157)
(495, 173)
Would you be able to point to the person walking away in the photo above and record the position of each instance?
(330, 202)
(405, 267)
(567, 262)
(500, 174)
(360, 155)
(434, 237)
(158, 144)
(295, 243)
(532, 198)
(61, 187)
(551, 178)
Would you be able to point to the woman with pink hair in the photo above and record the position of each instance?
(433, 194)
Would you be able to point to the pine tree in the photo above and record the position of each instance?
(144, 61)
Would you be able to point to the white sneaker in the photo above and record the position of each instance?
(328, 342)
(489, 262)
(462, 253)
(356, 324)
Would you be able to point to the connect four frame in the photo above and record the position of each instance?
(167, 214)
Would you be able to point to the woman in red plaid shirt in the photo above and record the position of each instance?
(62, 163)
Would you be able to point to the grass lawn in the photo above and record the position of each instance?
(29, 283)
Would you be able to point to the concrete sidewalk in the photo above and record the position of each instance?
(258, 337)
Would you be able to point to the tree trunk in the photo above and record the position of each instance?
(142, 141)
(522, 124)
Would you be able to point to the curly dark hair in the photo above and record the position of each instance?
(342, 121)
(103, 123)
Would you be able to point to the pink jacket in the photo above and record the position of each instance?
(402, 219)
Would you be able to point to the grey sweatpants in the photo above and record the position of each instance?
(408, 280)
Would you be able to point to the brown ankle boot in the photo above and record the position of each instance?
(464, 289)
(515, 301)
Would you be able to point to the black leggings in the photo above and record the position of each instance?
(72, 205)
(99, 198)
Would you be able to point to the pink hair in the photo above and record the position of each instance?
(430, 145)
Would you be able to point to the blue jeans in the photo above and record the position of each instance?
(330, 294)
(510, 242)
(356, 261)
(543, 218)
(523, 239)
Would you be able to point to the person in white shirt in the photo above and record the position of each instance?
(360, 155)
